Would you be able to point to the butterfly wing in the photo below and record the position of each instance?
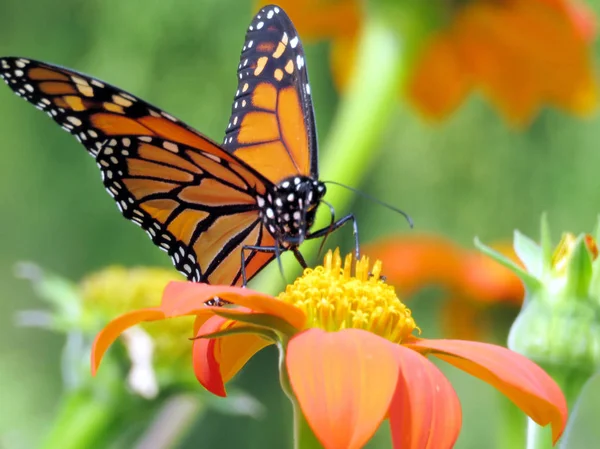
(272, 125)
(194, 199)
(90, 109)
(199, 205)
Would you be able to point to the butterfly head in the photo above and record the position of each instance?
(289, 209)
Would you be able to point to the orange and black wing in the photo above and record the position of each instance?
(194, 199)
(199, 205)
(90, 109)
(272, 125)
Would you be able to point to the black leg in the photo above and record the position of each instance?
(338, 224)
(300, 258)
(263, 249)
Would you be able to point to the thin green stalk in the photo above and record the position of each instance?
(512, 433)
(82, 421)
(538, 437)
(352, 143)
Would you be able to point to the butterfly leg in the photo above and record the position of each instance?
(264, 249)
(336, 225)
(300, 258)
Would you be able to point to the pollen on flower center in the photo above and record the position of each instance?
(333, 299)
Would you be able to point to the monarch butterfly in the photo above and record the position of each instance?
(209, 206)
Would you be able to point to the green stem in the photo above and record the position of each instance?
(81, 422)
(571, 382)
(538, 437)
(513, 426)
(363, 114)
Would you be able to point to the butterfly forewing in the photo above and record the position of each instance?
(272, 121)
(90, 109)
(194, 199)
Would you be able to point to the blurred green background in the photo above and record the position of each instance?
(470, 176)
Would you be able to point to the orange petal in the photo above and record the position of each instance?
(413, 262)
(217, 360)
(344, 382)
(514, 375)
(319, 19)
(342, 59)
(486, 281)
(438, 82)
(112, 330)
(425, 411)
(522, 54)
(187, 298)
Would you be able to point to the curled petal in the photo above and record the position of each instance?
(425, 411)
(344, 382)
(217, 360)
(111, 332)
(514, 375)
(185, 298)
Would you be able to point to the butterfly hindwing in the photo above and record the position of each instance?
(199, 208)
(272, 125)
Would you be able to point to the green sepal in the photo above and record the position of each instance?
(263, 320)
(530, 253)
(579, 270)
(265, 333)
(530, 282)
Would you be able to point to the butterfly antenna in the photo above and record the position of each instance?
(375, 200)
(331, 224)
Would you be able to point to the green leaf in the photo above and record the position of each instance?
(265, 333)
(264, 320)
(530, 253)
(579, 269)
(531, 283)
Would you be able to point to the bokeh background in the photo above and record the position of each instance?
(470, 175)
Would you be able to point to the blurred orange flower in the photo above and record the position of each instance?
(521, 54)
(331, 325)
(472, 281)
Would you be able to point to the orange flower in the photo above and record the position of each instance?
(521, 54)
(349, 356)
(472, 282)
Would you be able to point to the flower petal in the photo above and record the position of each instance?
(186, 298)
(411, 262)
(112, 330)
(517, 377)
(425, 411)
(438, 82)
(344, 382)
(217, 360)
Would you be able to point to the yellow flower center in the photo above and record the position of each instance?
(333, 299)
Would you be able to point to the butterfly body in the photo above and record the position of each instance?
(289, 210)
(222, 212)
